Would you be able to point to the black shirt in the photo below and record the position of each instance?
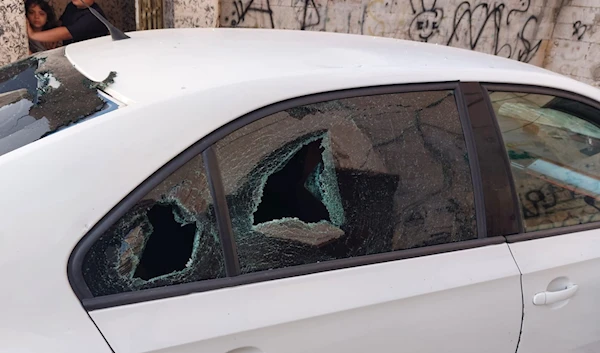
(82, 24)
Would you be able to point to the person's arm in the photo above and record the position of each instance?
(51, 45)
(52, 35)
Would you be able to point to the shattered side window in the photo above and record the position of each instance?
(43, 94)
(169, 237)
(347, 178)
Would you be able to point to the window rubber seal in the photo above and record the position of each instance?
(465, 120)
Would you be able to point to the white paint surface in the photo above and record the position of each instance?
(183, 60)
(465, 301)
(55, 189)
(572, 325)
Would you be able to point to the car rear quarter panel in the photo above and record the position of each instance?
(55, 189)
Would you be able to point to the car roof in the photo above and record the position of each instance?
(157, 64)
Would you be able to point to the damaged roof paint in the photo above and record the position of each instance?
(43, 94)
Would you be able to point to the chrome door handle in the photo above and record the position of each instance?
(545, 298)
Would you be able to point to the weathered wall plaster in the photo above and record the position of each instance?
(575, 47)
(13, 33)
(191, 13)
(561, 35)
(518, 29)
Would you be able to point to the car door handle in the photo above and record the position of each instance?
(545, 298)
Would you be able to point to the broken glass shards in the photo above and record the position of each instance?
(281, 175)
(64, 94)
(422, 142)
(347, 178)
(19, 75)
(170, 237)
(40, 95)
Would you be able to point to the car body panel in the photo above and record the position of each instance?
(178, 86)
(567, 326)
(391, 306)
(77, 176)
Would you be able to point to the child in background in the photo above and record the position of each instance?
(40, 16)
(77, 24)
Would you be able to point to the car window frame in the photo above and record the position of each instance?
(233, 278)
(531, 89)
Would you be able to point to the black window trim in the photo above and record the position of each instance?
(203, 146)
(478, 195)
(521, 88)
(504, 216)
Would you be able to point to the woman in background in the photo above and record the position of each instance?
(41, 17)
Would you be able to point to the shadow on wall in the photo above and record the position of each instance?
(120, 13)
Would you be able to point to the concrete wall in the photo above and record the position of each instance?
(575, 48)
(13, 33)
(191, 13)
(561, 35)
(518, 29)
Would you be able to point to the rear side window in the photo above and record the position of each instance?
(346, 178)
(314, 183)
(169, 237)
(553, 145)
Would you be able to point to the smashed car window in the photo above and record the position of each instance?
(43, 94)
(169, 237)
(347, 178)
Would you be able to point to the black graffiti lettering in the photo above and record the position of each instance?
(591, 202)
(241, 10)
(525, 4)
(537, 201)
(464, 16)
(464, 11)
(414, 11)
(426, 22)
(529, 50)
(307, 18)
(579, 29)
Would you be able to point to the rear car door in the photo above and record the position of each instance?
(552, 139)
(341, 222)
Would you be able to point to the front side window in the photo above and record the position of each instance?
(553, 145)
(167, 238)
(346, 178)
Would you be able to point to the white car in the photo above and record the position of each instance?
(265, 191)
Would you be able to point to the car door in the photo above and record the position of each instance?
(339, 222)
(553, 142)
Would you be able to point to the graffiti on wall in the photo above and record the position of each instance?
(548, 206)
(307, 13)
(508, 28)
(579, 30)
(260, 11)
(497, 16)
(13, 34)
(242, 9)
(426, 22)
